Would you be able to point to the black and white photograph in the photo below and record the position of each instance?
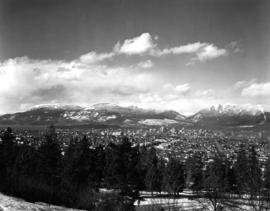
(135, 105)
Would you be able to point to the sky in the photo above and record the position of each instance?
(182, 55)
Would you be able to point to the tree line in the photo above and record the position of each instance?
(76, 176)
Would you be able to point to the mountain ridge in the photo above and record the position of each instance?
(113, 114)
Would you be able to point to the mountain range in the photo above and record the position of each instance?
(112, 114)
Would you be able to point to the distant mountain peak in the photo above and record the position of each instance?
(113, 114)
(232, 109)
(232, 115)
(105, 105)
(56, 106)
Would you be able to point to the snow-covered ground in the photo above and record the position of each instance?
(182, 204)
(8, 203)
(158, 122)
(185, 204)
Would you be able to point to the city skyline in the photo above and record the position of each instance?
(180, 55)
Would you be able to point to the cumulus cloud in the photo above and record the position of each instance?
(243, 83)
(50, 93)
(129, 90)
(137, 45)
(207, 52)
(144, 44)
(26, 82)
(257, 89)
(186, 105)
(209, 93)
(182, 89)
(210, 51)
(145, 64)
(234, 45)
(184, 49)
(93, 57)
(172, 92)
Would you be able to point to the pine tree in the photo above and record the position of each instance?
(254, 173)
(267, 175)
(194, 171)
(241, 170)
(113, 167)
(50, 162)
(24, 170)
(8, 156)
(69, 162)
(153, 179)
(98, 158)
(121, 171)
(215, 183)
(232, 180)
(173, 178)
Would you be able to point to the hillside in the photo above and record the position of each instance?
(106, 114)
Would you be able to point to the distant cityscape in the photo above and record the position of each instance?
(167, 140)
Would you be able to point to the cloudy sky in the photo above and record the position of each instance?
(183, 55)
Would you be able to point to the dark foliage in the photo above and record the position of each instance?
(73, 176)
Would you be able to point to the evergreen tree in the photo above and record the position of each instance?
(142, 166)
(82, 163)
(254, 173)
(267, 175)
(241, 170)
(122, 163)
(24, 169)
(114, 167)
(98, 157)
(232, 180)
(215, 183)
(266, 184)
(7, 156)
(173, 178)
(153, 180)
(69, 163)
(50, 163)
(133, 173)
(194, 171)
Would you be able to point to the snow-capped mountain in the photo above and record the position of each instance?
(112, 114)
(231, 115)
(245, 109)
(56, 106)
(105, 113)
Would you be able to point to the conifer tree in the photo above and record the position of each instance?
(173, 178)
(241, 170)
(8, 157)
(50, 162)
(215, 183)
(153, 180)
(194, 171)
(254, 172)
(266, 184)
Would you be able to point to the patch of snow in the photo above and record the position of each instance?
(8, 203)
(56, 106)
(246, 126)
(159, 122)
(233, 109)
(106, 118)
(127, 121)
(12, 117)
